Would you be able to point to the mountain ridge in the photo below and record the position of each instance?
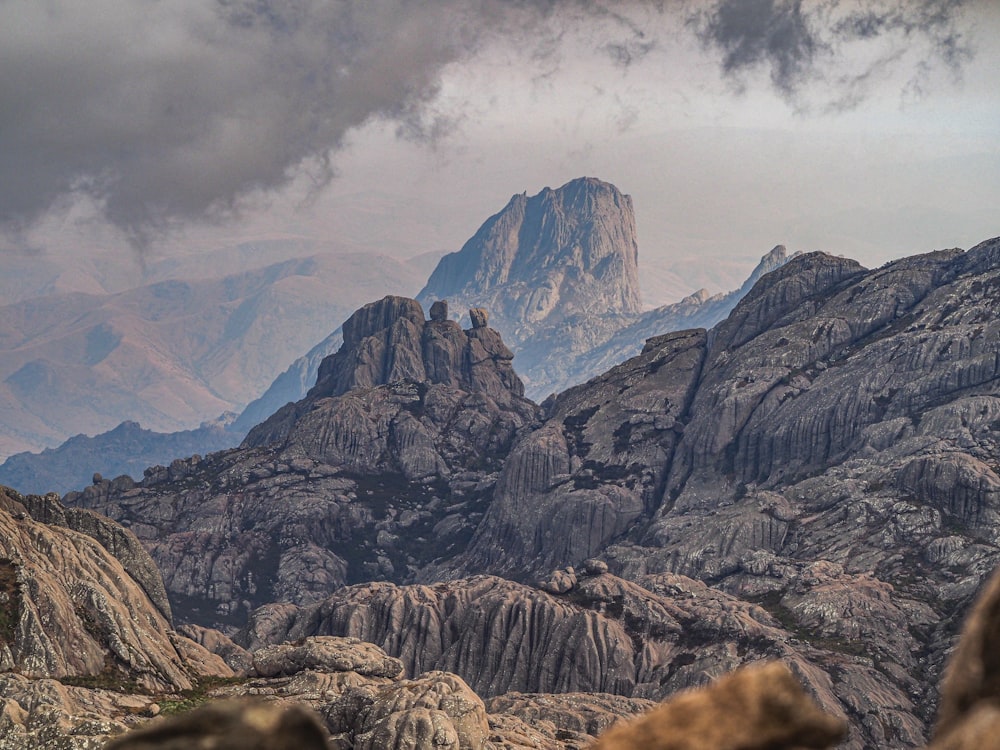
(791, 461)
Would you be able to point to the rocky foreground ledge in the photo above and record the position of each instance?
(324, 692)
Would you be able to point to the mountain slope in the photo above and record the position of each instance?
(590, 318)
(824, 461)
(127, 449)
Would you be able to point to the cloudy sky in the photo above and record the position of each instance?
(869, 128)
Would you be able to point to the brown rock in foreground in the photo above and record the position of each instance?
(69, 609)
(969, 713)
(83, 648)
(755, 708)
(231, 725)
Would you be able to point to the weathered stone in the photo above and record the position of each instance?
(231, 725)
(559, 582)
(582, 714)
(238, 659)
(74, 611)
(435, 710)
(756, 708)
(559, 273)
(325, 654)
(479, 317)
(439, 311)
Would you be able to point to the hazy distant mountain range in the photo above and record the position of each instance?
(173, 353)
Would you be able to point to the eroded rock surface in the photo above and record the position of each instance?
(641, 640)
(384, 468)
(816, 479)
(82, 646)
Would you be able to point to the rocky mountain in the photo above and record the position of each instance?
(566, 251)
(398, 443)
(814, 478)
(172, 353)
(591, 318)
(87, 652)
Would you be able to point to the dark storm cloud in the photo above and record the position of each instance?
(754, 32)
(170, 110)
(801, 42)
(176, 109)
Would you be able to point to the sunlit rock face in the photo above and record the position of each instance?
(76, 615)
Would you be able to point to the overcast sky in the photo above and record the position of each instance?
(870, 129)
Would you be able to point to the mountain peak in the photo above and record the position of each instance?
(563, 251)
(390, 340)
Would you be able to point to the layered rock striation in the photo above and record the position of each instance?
(79, 635)
(645, 639)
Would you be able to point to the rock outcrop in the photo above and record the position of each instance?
(79, 636)
(570, 250)
(643, 640)
(759, 707)
(385, 467)
(597, 464)
(350, 702)
(756, 708)
(557, 271)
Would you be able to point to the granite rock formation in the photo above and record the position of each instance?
(343, 694)
(347, 699)
(557, 271)
(644, 639)
(385, 467)
(822, 466)
(571, 250)
(559, 274)
(79, 636)
(755, 708)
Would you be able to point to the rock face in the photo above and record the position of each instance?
(328, 691)
(644, 640)
(835, 463)
(382, 469)
(72, 618)
(815, 479)
(67, 601)
(570, 250)
(597, 464)
(346, 703)
(558, 268)
(558, 272)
